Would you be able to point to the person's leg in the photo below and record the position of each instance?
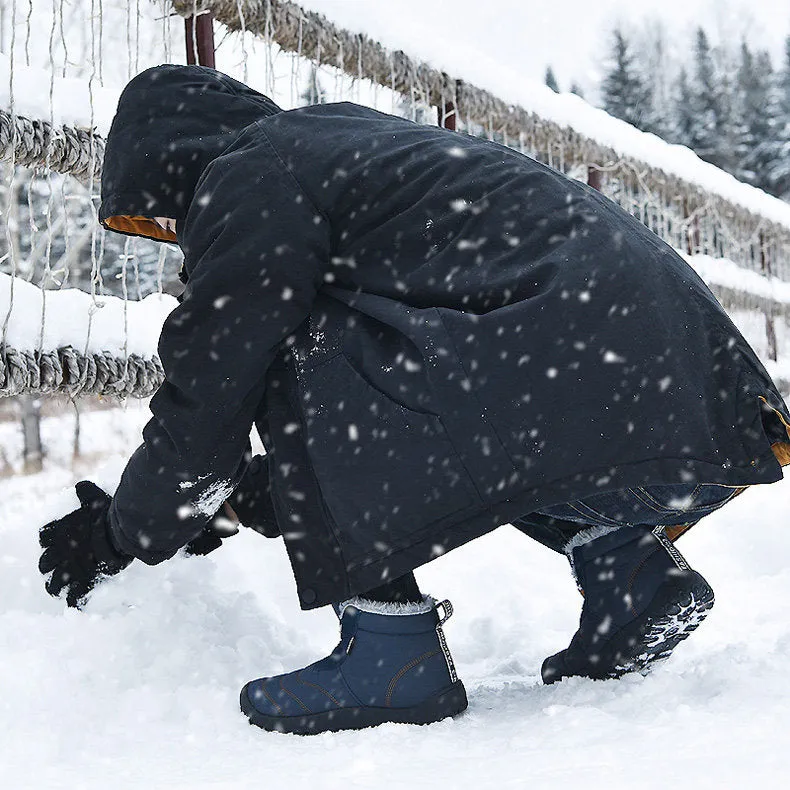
(401, 590)
(641, 597)
(392, 664)
(553, 532)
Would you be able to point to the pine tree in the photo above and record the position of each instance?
(756, 118)
(576, 88)
(551, 80)
(682, 131)
(624, 93)
(778, 173)
(726, 65)
(656, 73)
(707, 130)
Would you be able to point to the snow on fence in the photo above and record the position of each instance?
(736, 236)
(98, 346)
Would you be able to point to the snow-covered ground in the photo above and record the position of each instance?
(140, 689)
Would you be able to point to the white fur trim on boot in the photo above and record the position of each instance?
(379, 607)
(587, 536)
(581, 539)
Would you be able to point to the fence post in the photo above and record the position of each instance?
(770, 328)
(448, 113)
(692, 230)
(200, 39)
(594, 177)
(33, 452)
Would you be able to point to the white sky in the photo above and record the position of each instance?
(529, 34)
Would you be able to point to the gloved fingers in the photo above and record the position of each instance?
(77, 596)
(222, 524)
(48, 533)
(203, 544)
(48, 561)
(90, 495)
(55, 583)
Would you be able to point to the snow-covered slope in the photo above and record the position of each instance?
(140, 689)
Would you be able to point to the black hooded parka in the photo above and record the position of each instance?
(434, 334)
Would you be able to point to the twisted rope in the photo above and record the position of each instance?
(69, 372)
(62, 149)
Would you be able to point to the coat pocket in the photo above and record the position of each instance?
(386, 472)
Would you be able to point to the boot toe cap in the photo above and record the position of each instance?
(554, 668)
(255, 696)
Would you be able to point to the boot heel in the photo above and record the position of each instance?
(440, 706)
(675, 613)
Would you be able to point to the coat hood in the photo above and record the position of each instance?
(171, 122)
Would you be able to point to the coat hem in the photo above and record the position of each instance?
(365, 573)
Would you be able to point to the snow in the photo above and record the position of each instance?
(74, 101)
(727, 273)
(74, 318)
(140, 689)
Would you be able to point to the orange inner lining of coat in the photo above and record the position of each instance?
(781, 449)
(140, 226)
(782, 453)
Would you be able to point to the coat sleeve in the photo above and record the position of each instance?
(254, 248)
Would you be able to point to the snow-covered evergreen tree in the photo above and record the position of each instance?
(707, 104)
(624, 93)
(756, 110)
(684, 116)
(656, 71)
(778, 171)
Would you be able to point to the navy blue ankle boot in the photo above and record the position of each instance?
(641, 599)
(392, 665)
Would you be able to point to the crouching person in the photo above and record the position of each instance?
(434, 335)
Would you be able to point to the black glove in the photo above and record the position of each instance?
(77, 547)
(252, 499)
(221, 526)
(250, 503)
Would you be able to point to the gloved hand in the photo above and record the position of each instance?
(250, 503)
(252, 500)
(77, 548)
(224, 524)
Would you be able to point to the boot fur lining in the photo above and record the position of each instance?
(587, 535)
(379, 607)
(580, 539)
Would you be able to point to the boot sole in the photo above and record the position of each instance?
(673, 615)
(672, 620)
(441, 706)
